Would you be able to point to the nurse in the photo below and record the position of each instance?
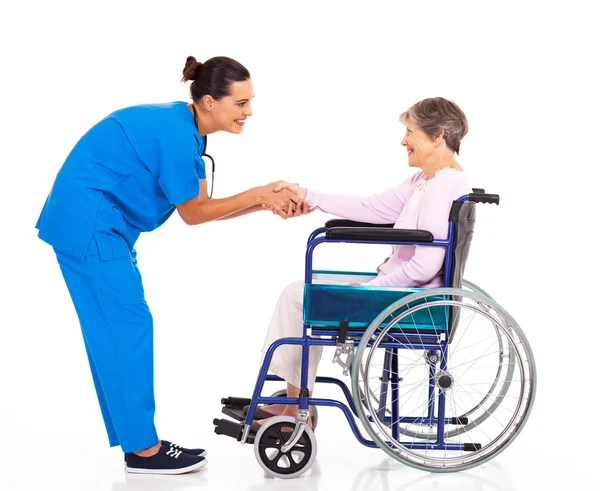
(125, 176)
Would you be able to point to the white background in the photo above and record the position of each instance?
(330, 79)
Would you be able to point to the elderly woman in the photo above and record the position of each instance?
(434, 130)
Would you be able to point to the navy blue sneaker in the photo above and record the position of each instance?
(168, 460)
(190, 451)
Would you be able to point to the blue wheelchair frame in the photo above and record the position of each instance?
(434, 341)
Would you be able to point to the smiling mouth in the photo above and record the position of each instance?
(240, 122)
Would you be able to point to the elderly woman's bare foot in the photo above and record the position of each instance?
(274, 409)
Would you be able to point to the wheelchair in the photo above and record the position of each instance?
(442, 379)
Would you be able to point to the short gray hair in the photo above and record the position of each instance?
(436, 114)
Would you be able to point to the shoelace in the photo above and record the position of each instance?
(173, 452)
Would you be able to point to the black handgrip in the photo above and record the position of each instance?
(379, 234)
(493, 199)
(340, 222)
(235, 402)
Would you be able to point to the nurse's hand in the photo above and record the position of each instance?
(294, 210)
(279, 202)
(298, 208)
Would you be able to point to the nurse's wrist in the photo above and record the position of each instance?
(258, 195)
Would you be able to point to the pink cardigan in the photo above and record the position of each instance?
(417, 203)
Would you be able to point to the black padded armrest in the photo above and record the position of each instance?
(379, 234)
(339, 222)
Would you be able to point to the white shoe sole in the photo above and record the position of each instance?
(183, 470)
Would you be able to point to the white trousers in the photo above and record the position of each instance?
(287, 322)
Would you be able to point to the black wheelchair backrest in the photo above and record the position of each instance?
(463, 217)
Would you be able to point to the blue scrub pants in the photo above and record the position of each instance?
(118, 333)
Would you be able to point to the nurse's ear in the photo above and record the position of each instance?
(208, 102)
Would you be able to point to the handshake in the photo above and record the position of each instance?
(284, 199)
(287, 200)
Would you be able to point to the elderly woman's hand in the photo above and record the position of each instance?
(299, 205)
(293, 187)
(282, 202)
(301, 208)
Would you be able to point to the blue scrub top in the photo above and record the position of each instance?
(123, 177)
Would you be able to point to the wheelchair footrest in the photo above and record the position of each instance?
(237, 414)
(232, 429)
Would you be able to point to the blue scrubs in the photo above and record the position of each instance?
(122, 178)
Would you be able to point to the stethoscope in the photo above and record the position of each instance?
(204, 154)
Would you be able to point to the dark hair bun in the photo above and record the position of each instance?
(192, 68)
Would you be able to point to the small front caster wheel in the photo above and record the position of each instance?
(267, 448)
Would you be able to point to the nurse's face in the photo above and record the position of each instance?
(230, 112)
